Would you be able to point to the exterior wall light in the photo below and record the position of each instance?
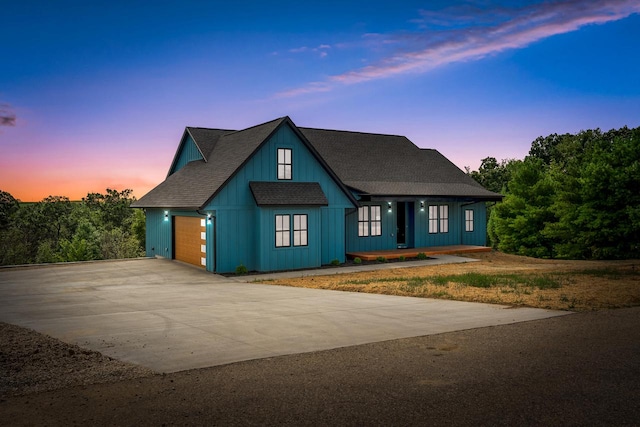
(422, 206)
(208, 218)
(166, 215)
(389, 206)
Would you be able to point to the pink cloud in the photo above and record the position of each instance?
(499, 30)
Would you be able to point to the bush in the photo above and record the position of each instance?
(402, 258)
(335, 262)
(241, 270)
(357, 260)
(422, 255)
(381, 259)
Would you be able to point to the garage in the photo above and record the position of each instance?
(189, 239)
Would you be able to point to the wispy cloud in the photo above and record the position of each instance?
(7, 116)
(321, 50)
(468, 33)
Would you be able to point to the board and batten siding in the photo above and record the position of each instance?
(387, 240)
(159, 240)
(421, 236)
(159, 234)
(456, 234)
(272, 258)
(332, 236)
(239, 222)
(479, 235)
(189, 153)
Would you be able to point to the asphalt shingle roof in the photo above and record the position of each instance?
(371, 164)
(288, 193)
(389, 165)
(206, 139)
(196, 183)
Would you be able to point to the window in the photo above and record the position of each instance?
(433, 219)
(468, 220)
(363, 221)
(444, 218)
(284, 163)
(283, 234)
(369, 221)
(438, 219)
(299, 230)
(376, 222)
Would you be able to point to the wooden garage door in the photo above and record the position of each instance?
(188, 242)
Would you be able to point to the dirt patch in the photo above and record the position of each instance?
(513, 280)
(31, 362)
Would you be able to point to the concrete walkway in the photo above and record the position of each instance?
(440, 259)
(172, 317)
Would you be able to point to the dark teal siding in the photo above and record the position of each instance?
(271, 258)
(242, 227)
(159, 232)
(372, 243)
(332, 236)
(418, 220)
(188, 154)
(159, 237)
(479, 235)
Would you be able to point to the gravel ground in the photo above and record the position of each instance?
(582, 369)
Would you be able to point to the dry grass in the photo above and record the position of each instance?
(500, 279)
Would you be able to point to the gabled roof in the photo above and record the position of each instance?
(373, 165)
(199, 181)
(378, 165)
(288, 193)
(205, 140)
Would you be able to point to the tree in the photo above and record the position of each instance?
(515, 223)
(574, 196)
(56, 229)
(492, 175)
(113, 208)
(546, 148)
(8, 206)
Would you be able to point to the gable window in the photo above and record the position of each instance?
(284, 163)
(300, 230)
(369, 221)
(438, 219)
(468, 220)
(283, 233)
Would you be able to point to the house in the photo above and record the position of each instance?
(279, 197)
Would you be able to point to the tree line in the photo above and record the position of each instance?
(100, 226)
(572, 197)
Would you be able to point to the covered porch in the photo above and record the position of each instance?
(413, 252)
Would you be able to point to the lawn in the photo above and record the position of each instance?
(500, 279)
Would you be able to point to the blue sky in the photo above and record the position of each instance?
(97, 94)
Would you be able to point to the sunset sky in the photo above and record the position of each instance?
(97, 94)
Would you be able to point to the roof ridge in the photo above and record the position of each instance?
(259, 125)
(202, 128)
(353, 131)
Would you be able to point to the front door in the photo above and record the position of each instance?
(401, 221)
(404, 222)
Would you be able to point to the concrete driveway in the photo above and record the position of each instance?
(171, 317)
